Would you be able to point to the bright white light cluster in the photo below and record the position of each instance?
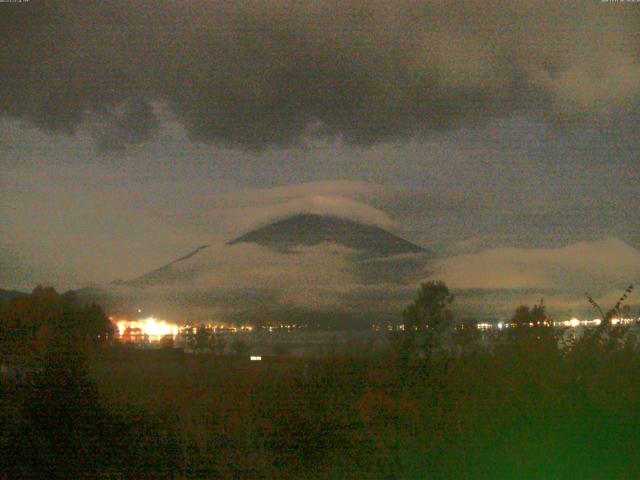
(152, 330)
(572, 323)
(155, 329)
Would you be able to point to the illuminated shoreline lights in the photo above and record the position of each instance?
(571, 323)
(153, 330)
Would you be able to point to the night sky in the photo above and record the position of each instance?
(502, 136)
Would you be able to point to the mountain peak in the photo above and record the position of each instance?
(309, 229)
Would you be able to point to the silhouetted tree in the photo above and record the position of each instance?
(466, 336)
(608, 335)
(28, 323)
(531, 332)
(425, 320)
(203, 335)
(430, 311)
(613, 312)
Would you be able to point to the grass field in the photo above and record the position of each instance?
(506, 414)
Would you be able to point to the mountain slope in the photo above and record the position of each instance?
(242, 283)
(312, 229)
(162, 274)
(7, 295)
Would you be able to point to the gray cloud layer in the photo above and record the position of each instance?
(269, 72)
(249, 282)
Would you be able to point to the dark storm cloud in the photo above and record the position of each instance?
(268, 72)
(130, 123)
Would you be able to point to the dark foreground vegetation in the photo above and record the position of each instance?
(442, 403)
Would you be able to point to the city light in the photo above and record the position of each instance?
(152, 330)
(150, 327)
(571, 323)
